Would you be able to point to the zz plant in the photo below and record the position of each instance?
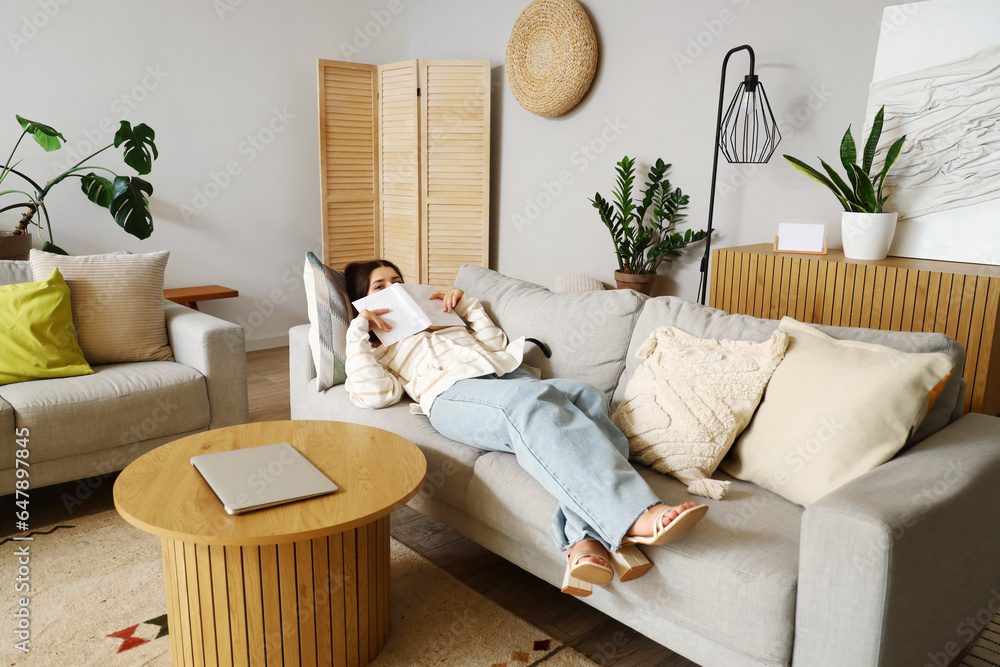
(125, 197)
(645, 232)
(862, 192)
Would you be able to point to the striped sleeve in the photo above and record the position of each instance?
(368, 382)
(490, 335)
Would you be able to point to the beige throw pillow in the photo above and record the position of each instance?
(117, 303)
(833, 410)
(690, 399)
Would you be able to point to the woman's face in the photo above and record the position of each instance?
(381, 278)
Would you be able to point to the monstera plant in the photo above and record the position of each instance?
(125, 197)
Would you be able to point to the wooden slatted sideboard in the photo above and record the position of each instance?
(896, 294)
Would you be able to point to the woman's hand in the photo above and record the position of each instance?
(374, 319)
(450, 298)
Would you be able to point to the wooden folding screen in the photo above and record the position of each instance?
(399, 162)
(425, 181)
(348, 136)
(455, 154)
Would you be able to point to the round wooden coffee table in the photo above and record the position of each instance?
(302, 583)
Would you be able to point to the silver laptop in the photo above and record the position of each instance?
(256, 477)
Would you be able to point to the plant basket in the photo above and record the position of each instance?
(14, 246)
(640, 282)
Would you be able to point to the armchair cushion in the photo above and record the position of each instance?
(14, 271)
(118, 405)
(37, 336)
(117, 303)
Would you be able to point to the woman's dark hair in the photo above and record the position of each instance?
(358, 276)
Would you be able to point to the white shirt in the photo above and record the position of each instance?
(427, 363)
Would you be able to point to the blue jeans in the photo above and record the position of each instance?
(562, 436)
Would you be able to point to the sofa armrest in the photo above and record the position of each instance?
(216, 349)
(902, 565)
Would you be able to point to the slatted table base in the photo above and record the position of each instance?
(316, 602)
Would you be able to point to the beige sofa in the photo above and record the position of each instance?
(82, 428)
(886, 570)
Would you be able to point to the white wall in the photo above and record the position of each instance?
(206, 76)
(226, 70)
(655, 95)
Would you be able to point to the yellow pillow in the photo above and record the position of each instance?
(833, 410)
(37, 336)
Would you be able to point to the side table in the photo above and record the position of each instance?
(190, 296)
(304, 583)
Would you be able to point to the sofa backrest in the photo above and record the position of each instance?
(587, 332)
(716, 324)
(14, 271)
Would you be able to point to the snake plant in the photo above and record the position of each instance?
(642, 244)
(124, 196)
(864, 192)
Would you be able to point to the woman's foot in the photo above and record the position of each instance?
(589, 560)
(662, 524)
(588, 564)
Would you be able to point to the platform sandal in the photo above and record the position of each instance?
(665, 533)
(580, 578)
(630, 563)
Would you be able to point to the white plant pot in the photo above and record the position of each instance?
(867, 236)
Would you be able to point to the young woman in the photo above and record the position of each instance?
(467, 381)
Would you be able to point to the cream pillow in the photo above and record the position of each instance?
(690, 399)
(833, 410)
(117, 303)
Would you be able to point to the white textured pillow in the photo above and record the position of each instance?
(833, 410)
(117, 303)
(690, 399)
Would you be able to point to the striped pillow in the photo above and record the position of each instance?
(117, 303)
(329, 315)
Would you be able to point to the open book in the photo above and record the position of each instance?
(411, 309)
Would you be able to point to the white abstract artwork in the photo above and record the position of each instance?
(937, 72)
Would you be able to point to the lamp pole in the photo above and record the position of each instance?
(703, 283)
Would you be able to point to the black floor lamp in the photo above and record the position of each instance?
(748, 134)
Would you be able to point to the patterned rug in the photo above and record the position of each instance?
(97, 598)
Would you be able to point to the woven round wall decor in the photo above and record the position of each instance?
(551, 56)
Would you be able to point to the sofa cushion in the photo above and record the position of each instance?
(15, 271)
(330, 314)
(119, 404)
(707, 322)
(733, 579)
(833, 411)
(587, 332)
(690, 399)
(449, 463)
